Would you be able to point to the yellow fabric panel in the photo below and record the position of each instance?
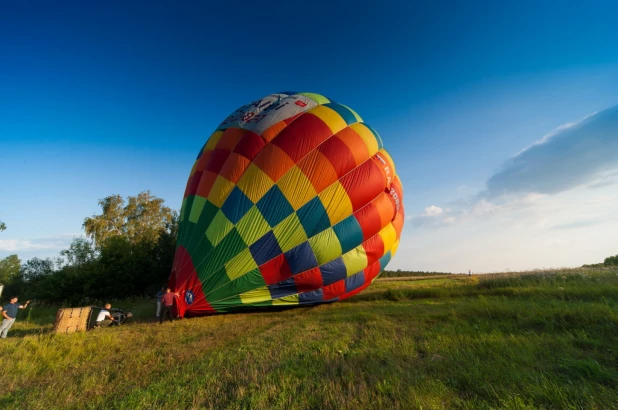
(252, 226)
(213, 141)
(394, 248)
(326, 246)
(255, 183)
(355, 260)
(220, 191)
(389, 236)
(218, 228)
(255, 296)
(296, 187)
(367, 136)
(240, 264)
(196, 208)
(330, 117)
(336, 202)
(286, 300)
(290, 233)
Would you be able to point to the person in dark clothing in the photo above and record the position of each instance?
(9, 313)
(168, 302)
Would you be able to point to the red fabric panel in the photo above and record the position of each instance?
(185, 278)
(369, 220)
(250, 145)
(193, 183)
(339, 155)
(354, 292)
(374, 248)
(364, 183)
(334, 290)
(206, 183)
(302, 136)
(309, 280)
(372, 271)
(276, 270)
(217, 159)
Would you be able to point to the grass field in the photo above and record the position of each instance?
(523, 341)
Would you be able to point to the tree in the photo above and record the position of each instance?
(141, 218)
(79, 253)
(2, 226)
(611, 261)
(9, 269)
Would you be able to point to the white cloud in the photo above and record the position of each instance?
(573, 155)
(433, 211)
(57, 242)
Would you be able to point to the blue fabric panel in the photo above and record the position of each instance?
(313, 217)
(384, 260)
(265, 249)
(236, 205)
(344, 112)
(281, 289)
(274, 206)
(315, 296)
(301, 258)
(354, 281)
(333, 271)
(349, 233)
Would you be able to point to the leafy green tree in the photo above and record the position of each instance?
(611, 261)
(9, 269)
(80, 252)
(140, 218)
(2, 226)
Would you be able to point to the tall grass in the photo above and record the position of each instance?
(535, 340)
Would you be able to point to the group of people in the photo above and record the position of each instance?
(9, 314)
(165, 302)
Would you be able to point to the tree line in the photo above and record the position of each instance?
(128, 251)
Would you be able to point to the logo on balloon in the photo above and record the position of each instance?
(189, 297)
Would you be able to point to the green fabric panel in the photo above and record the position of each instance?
(198, 232)
(250, 281)
(229, 247)
(219, 228)
(227, 305)
(196, 209)
(320, 99)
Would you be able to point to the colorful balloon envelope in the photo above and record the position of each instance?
(292, 201)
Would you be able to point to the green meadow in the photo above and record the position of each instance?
(546, 339)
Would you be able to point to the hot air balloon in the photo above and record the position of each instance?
(292, 201)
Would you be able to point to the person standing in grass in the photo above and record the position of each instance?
(9, 313)
(159, 296)
(168, 303)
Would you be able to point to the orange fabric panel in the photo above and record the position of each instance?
(318, 170)
(230, 139)
(234, 167)
(274, 162)
(273, 131)
(355, 144)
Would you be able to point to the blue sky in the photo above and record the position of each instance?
(118, 97)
